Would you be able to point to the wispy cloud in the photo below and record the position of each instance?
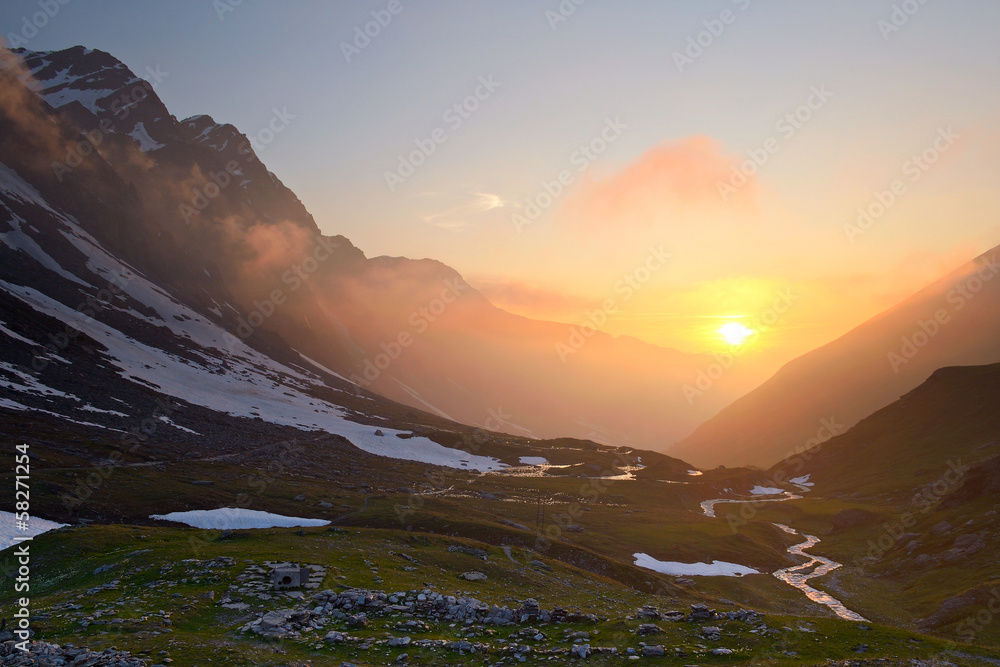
(459, 216)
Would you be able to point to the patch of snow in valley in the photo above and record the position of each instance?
(717, 568)
(9, 531)
(802, 481)
(533, 460)
(766, 491)
(235, 518)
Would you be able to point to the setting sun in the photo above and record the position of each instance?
(734, 333)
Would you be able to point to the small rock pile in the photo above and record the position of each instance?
(354, 605)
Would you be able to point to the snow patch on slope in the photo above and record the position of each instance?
(235, 518)
(717, 568)
(146, 142)
(9, 531)
(219, 371)
(766, 490)
(88, 98)
(533, 460)
(15, 336)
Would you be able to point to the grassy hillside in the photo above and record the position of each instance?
(907, 501)
(185, 594)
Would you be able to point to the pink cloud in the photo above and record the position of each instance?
(668, 180)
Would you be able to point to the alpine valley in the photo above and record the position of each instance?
(251, 444)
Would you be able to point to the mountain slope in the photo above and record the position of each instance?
(948, 423)
(119, 320)
(907, 500)
(954, 321)
(210, 219)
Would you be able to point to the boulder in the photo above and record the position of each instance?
(471, 551)
(648, 611)
(700, 612)
(941, 528)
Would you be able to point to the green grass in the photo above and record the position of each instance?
(132, 616)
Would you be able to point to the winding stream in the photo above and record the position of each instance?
(708, 506)
(798, 575)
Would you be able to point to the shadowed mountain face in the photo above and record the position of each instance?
(189, 206)
(948, 426)
(954, 321)
(907, 499)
